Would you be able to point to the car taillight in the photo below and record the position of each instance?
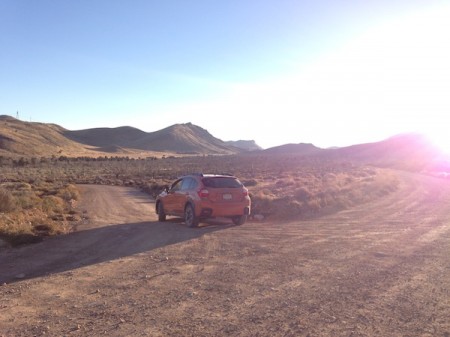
(204, 193)
(245, 192)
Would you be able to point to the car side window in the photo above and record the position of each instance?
(176, 186)
(186, 185)
(193, 184)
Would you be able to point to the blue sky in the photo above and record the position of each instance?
(331, 73)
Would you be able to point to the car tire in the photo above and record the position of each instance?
(239, 220)
(161, 214)
(189, 216)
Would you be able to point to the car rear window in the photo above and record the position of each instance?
(221, 182)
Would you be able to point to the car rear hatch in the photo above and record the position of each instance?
(224, 189)
(226, 195)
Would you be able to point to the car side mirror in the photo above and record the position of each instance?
(166, 188)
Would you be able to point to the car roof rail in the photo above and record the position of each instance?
(219, 174)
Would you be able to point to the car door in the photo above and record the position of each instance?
(181, 195)
(170, 200)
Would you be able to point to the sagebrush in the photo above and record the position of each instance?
(281, 186)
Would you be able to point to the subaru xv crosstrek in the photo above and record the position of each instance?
(197, 197)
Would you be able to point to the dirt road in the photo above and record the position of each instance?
(380, 269)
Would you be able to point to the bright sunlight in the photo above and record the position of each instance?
(392, 79)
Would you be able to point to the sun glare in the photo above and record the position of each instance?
(396, 77)
(440, 138)
(391, 79)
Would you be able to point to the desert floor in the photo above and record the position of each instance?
(379, 269)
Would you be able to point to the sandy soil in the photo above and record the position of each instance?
(380, 269)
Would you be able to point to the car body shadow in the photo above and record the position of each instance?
(93, 246)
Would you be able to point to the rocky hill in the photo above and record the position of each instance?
(410, 151)
(247, 145)
(179, 138)
(40, 139)
(35, 139)
(297, 149)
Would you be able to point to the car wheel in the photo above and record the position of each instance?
(161, 214)
(239, 220)
(189, 216)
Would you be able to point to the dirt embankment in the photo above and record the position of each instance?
(379, 269)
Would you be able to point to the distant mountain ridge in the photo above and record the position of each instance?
(18, 138)
(40, 139)
(103, 137)
(301, 148)
(410, 151)
(248, 145)
(405, 151)
(179, 138)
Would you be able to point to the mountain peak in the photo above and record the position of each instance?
(189, 138)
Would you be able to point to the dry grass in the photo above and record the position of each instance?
(304, 197)
(38, 193)
(30, 211)
(7, 201)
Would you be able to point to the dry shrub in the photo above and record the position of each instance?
(27, 227)
(7, 201)
(322, 194)
(35, 211)
(52, 204)
(16, 231)
(302, 194)
(367, 186)
(250, 182)
(16, 186)
(43, 226)
(154, 188)
(280, 186)
(27, 199)
(285, 182)
(69, 192)
(313, 206)
(263, 203)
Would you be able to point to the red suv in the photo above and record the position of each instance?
(201, 196)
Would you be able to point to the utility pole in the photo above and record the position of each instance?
(17, 114)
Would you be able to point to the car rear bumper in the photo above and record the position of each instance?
(230, 210)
